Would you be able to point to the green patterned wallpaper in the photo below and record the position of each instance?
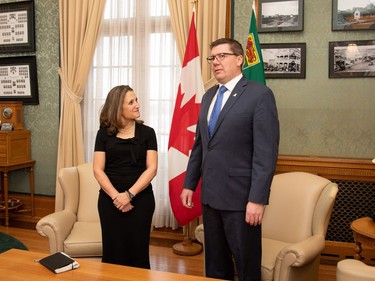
(43, 119)
(319, 116)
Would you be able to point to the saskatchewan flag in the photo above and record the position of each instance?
(253, 68)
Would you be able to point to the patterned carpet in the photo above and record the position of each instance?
(8, 242)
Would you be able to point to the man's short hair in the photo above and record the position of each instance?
(234, 45)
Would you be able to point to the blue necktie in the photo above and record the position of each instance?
(216, 110)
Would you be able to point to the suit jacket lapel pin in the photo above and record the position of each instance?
(235, 94)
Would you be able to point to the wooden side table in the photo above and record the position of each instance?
(4, 170)
(363, 233)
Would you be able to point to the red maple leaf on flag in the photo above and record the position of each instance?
(182, 128)
(182, 131)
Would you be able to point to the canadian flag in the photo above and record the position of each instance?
(184, 121)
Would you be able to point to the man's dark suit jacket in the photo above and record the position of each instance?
(237, 164)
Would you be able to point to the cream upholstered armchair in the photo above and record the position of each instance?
(294, 226)
(354, 270)
(76, 229)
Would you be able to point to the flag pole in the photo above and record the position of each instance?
(187, 247)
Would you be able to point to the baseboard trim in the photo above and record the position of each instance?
(336, 251)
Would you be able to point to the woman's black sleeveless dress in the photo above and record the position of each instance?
(126, 236)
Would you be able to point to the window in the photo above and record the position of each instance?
(137, 48)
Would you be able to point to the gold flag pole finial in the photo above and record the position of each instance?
(195, 8)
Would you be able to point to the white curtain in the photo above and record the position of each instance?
(212, 22)
(137, 48)
(79, 28)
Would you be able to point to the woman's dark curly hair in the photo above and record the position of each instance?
(111, 112)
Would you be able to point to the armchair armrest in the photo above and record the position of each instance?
(298, 255)
(56, 227)
(354, 270)
(199, 233)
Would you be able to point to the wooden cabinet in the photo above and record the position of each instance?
(14, 146)
(14, 155)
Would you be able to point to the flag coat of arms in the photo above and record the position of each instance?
(182, 133)
(253, 67)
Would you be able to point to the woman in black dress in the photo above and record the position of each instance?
(125, 162)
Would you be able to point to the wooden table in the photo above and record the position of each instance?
(4, 170)
(21, 265)
(363, 233)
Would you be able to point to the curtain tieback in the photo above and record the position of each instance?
(70, 93)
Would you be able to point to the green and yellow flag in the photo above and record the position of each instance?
(253, 68)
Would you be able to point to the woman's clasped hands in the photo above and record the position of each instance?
(122, 202)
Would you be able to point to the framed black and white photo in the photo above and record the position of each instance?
(18, 79)
(280, 15)
(6, 127)
(17, 27)
(352, 15)
(350, 59)
(284, 60)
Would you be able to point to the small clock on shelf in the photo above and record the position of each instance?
(11, 113)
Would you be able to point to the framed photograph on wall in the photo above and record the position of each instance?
(349, 59)
(280, 15)
(353, 15)
(284, 60)
(17, 27)
(18, 79)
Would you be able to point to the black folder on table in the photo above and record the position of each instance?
(59, 262)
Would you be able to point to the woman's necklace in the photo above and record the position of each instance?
(127, 130)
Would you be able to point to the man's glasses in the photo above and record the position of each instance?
(219, 57)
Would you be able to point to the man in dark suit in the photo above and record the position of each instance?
(236, 159)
